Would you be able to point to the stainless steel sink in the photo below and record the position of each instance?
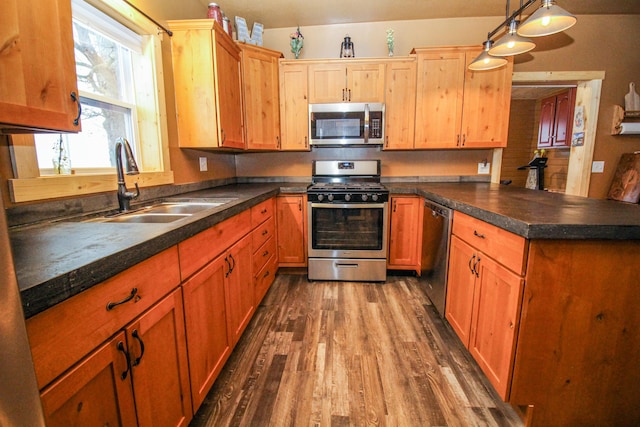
(165, 212)
(145, 218)
(181, 208)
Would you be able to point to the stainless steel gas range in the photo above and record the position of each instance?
(347, 221)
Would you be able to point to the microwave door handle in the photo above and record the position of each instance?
(366, 123)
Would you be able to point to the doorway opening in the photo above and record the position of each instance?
(577, 159)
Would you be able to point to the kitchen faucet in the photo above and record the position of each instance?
(124, 196)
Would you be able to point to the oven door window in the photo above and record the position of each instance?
(347, 228)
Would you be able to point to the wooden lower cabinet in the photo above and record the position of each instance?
(139, 377)
(484, 297)
(405, 233)
(240, 287)
(94, 392)
(292, 230)
(208, 331)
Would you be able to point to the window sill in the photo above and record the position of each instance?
(51, 187)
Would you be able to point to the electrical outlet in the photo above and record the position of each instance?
(484, 168)
(597, 166)
(203, 164)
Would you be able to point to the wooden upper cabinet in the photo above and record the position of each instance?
(439, 99)
(261, 97)
(400, 104)
(294, 106)
(207, 79)
(556, 120)
(37, 67)
(457, 107)
(336, 81)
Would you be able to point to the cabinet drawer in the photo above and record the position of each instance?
(263, 253)
(265, 277)
(503, 246)
(63, 334)
(263, 233)
(262, 211)
(198, 250)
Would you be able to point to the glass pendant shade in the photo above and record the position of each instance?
(485, 61)
(549, 19)
(511, 43)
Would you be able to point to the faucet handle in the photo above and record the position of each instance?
(137, 193)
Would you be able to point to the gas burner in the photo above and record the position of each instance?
(347, 182)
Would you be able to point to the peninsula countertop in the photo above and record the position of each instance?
(58, 260)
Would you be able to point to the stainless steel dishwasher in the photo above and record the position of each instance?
(436, 236)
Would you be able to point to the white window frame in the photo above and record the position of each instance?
(152, 150)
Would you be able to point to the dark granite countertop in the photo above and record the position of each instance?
(58, 260)
(533, 214)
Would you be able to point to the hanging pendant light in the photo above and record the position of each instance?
(511, 43)
(549, 19)
(484, 61)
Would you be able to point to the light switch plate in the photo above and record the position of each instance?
(597, 166)
(203, 164)
(484, 168)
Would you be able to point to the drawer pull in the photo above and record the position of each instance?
(263, 211)
(265, 253)
(123, 376)
(265, 232)
(135, 334)
(475, 233)
(266, 274)
(112, 305)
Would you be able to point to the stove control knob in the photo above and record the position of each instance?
(374, 197)
(330, 197)
(364, 197)
(320, 197)
(347, 197)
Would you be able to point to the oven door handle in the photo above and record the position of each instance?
(346, 265)
(348, 205)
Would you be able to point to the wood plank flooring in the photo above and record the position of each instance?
(350, 354)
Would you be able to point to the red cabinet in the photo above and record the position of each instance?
(556, 119)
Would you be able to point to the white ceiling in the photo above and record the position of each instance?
(291, 13)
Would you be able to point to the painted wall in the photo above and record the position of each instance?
(595, 43)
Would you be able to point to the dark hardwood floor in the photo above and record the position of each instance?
(350, 354)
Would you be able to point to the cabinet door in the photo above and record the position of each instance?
(37, 66)
(565, 103)
(240, 287)
(495, 321)
(208, 336)
(547, 117)
(292, 241)
(294, 107)
(97, 392)
(229, 89)
(405, 233)
(400, 104)
(158, 354)
(486, 106)
(439, 98)
(460, 288)
(261, 97)
(327, 83)
(365, 82)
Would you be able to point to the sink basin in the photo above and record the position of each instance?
(181, 208)
(146, 218)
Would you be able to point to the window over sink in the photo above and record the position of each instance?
(119, 68)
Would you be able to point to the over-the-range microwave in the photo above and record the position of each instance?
(346, 123)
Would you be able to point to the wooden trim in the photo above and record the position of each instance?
(555, 76)
(579, 171)
(49, 187)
